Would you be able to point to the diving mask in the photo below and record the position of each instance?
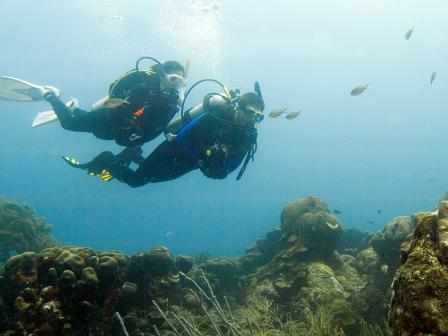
(175, 80)
(254, 113)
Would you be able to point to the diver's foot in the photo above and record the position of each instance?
(48, 92)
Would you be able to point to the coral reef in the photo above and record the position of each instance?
(305, 277)
(377, 264)
(420, 287)
(387, 243)
(76, 291)
(298, 267)
(21, 230)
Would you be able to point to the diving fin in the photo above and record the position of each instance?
(46, 117)
(103, 174)
(73, 162)
(14, 89)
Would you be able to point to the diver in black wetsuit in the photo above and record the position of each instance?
(139, 106)
(214, 137)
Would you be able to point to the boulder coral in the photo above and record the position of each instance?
(310, 220)
(68, 290)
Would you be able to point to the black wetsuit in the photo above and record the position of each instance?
(214, 144)
(140, 120)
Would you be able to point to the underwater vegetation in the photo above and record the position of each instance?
(21, 230)
(306, 276)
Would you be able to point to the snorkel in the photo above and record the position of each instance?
(252, 104)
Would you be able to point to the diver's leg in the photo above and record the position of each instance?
(77, 120)
(167, 162)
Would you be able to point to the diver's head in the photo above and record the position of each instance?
(250, 109)
(173, 76)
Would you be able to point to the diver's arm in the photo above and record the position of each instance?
(221, 160)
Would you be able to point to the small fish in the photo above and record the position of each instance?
(408, 34)
(433, 76)
(370, 222)
(293, 115)
(115, 102)
(430, 180)
(337, 212)
(277, 112)
(359, 89)
(384, 268)
(168, 234)
(379, 211)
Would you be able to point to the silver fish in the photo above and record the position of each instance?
(277, 112)
(408, 34)
(433, 76)
(169, 234)
(359, 89)
(292, 115)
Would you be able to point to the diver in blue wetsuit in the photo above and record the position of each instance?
(215, 137)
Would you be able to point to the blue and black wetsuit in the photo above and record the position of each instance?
(142, 119)
(211, 142)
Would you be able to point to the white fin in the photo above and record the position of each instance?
(15, 89)
(49, 116)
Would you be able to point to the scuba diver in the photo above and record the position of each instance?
(215, 137)
(139, 105)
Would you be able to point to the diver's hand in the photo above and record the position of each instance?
(214, 162)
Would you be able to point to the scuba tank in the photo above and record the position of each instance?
(121, 87)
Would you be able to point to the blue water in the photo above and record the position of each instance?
(360, 154)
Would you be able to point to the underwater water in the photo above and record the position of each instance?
(383, 149)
